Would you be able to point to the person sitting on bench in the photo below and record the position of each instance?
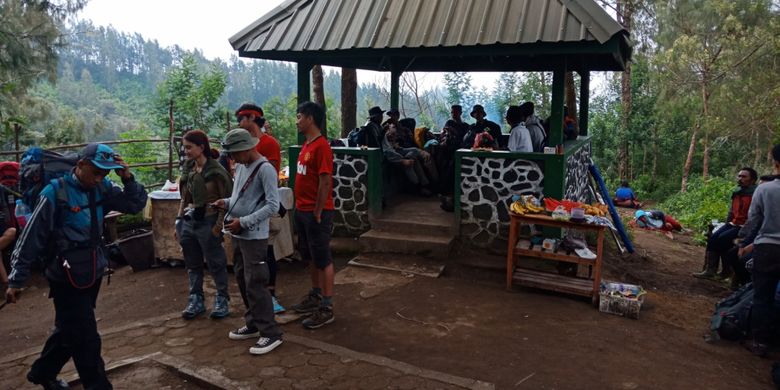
(625, 197)
(410, 160)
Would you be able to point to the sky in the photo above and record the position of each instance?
(206, 25)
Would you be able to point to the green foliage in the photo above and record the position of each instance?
(194, 94)
(703, 202)
(146, 152)
(29, 38)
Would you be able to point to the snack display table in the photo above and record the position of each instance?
(527, 277)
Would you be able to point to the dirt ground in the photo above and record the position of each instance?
(465, 323)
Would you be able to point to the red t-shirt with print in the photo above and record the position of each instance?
(315, 159)
(269, 148)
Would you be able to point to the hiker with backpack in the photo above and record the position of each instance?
(370, 134)
(764, 216)
(199, 227)
(66, 229)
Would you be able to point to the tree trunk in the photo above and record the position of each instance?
(319, 92)
(705, 162)
(348, 100)
(757, 149)
(655, 155)
(689, 160)
(571, 99)
(625, 15)
(705, 96)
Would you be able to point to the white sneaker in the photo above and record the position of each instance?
(265, 345)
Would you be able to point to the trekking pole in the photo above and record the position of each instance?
(5, 188)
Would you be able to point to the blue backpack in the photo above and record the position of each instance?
(358, 137)
(38, 168)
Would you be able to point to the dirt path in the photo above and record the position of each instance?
(466, 324)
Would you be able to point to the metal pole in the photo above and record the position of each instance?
(170, 141)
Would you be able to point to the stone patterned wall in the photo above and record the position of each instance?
(350, 194)
(577, 175)
(487, 187)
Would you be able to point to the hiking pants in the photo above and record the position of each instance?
(252, 276)
(198, 243)
(722, 239)
(766, 274)
(74, 336)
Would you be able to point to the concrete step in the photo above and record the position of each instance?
(408, 242)
(423, 227)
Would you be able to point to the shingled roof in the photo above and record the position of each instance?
(430, 35)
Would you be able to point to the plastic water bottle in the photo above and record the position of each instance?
(22, 212)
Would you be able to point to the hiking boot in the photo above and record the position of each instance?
(195, 307)
(265, 345)
(53, 384)
(278, 308)
(757, 348)
(710, 266)
(243, 333)
(309, 304)
(321, 317)
(221, 308)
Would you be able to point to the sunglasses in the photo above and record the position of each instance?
(239, 118)
(105, 156)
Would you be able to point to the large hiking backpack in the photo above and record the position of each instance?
(9, 174)
(731, 319)
(39, 167)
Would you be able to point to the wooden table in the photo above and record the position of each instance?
(588, 287)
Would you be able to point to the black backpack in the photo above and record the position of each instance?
(731, 319)
(358, 136)
(363, 136)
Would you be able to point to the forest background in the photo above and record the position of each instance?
(699, 101)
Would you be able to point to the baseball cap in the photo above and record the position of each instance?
(101, 156)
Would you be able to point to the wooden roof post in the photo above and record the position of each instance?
(556, 108)
(584, 101)
(304, 88)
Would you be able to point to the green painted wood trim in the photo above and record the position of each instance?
(456, 194)
(355, 151)
(395, 88)
(376, 181)
(304, 89)
(292, 162)
(584, 101)
(556, 110)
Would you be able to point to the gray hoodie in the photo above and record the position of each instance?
(764, 213)
(249, 209)
(537, 132)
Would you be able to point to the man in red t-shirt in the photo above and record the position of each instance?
(250, 118)
(314, 214)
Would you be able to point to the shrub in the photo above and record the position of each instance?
(703, 202)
